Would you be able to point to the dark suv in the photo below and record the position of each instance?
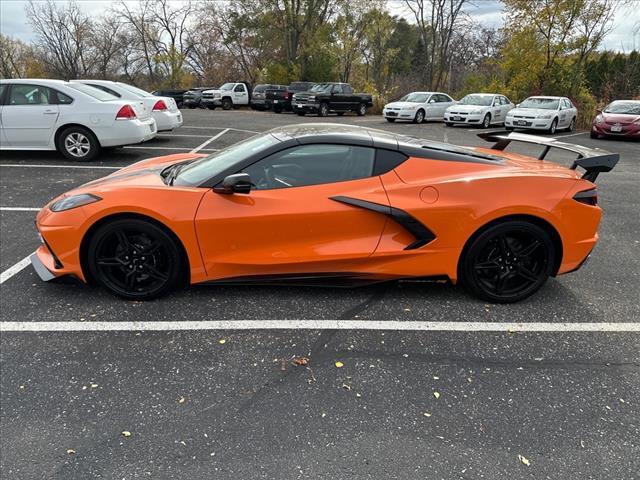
(177, 95)
(279, 99)
(258, 96)
(191, 98)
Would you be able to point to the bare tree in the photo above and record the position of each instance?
(16, 58)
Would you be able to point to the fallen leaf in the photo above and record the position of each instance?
(436, 394)
(435, 377)
(339, 364)
(524, 460)
(621, 400)
(181, 400)
(426, 414)
(71, 451)
(94, 385)
(126, 433)
(222, 341)
(346, 387)
(358, 395)
(301, 361)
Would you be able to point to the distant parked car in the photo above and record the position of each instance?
(620, 118)
(191, 98)
(228, 96)
(73, 118)
(418, 107)
(479, 109)
(543, 113)
(177, 95)
(279, 99)
(258, 99)
(164, 109)
(327, 97)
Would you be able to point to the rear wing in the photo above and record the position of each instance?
(592, 160)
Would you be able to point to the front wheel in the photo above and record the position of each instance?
(448, 124)
(486, 122)
(390, 120)
(362, 110)
(324, 110)
(419, 118)
(134, 259)
(78, 144)
(507, 262)
(553, 127)
(211, 107)
(227, 104)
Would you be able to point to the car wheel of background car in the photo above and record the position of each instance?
(324, 110)
(448, 124)
(553, 127)
(134, 259)
(227, 104)
(486, 121)
(509, 129)
(507, 262)
(572, 125)
(391, 120)
(419, 118)
(594, 135)
(191, 107)
(277, 109)
(78, 143)
(362, 110)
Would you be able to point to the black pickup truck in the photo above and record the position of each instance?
(323, 98)
(279, 97)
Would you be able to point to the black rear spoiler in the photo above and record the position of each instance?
(593, 160)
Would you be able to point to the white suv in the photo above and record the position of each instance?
(73, 118)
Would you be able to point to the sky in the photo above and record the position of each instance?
(625, 35)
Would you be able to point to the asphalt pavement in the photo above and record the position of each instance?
(312, 401)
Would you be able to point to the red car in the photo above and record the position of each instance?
(620, 118)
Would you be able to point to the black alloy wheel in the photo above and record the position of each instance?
(134, 259)
(508, 262)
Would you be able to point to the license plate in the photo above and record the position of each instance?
(521, 122)
(457, 118)
(299, 105)
(616, 128)
(392, 114)
(275, 101)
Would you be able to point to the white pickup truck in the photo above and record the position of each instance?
(228, 96)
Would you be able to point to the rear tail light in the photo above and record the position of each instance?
(287, 95)
(126, 113)
(588, 197)
(160, 106)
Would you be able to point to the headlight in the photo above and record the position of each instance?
(293, 97)
(216, 95)
(67, 203)
(475, 111)
(546, 116)
(410, 107)
(599, 119)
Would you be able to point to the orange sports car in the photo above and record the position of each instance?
(326, 203)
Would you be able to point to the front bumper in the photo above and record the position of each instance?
(211, 101)
(168, 120)
(474, 118)
(39, 261)
(604, 129)
(305, 107)
(399, 114)
(528, 123)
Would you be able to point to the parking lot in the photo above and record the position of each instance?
(549, 389)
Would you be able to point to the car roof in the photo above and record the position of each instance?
(43, 81)
(546, 96)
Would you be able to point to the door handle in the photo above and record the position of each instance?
(49, 112)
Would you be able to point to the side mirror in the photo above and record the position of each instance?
(236, 183)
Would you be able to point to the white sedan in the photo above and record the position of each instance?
(75, 119)
(543, 113)
(480, 109)
(164, 109)
(418, 107)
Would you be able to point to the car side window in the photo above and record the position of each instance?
(106, 89)
(29, 95)
(347, 89)
(61, 98)
(337, 89)
(2, 89)
(316, 164)
(239, 88)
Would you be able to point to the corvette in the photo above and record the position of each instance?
(327, 203)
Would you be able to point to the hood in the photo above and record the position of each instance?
(531, 112)
(620, 118)
(402, 105)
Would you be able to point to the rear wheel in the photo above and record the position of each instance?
(78, 144)
(227, 104)
(507, 262)
(300, 113)
(362, 110)
(134, 259)
(509, 129)
(572, 125)
(277, 109)
(323, 110)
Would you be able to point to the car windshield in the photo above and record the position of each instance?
(415, 97)
(227, 86)
(197, 172)
(623, 108)
(92, 92)
(481, 100)
(260, 88)
(299, 87)
(542, 103)
(135, 90)
(321, 88)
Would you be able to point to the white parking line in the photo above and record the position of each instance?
(317, 325)
(19, 209)
(22, 165)
(207, 142)
(11, 271)
(180, 135)
(171, 148)
(221, 128)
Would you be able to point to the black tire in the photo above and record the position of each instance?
(510, 129)
(277, 109)
(78, 144)
(419, 118)
(486, 121)
(191, 106)
(227, 104)
(594, 135)
(448, 124)
(553, 127)
(390, 120)
(340, 114)
(135, 259)
(362, 110)
(572, 125)
(323, 111)
(507, 262)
